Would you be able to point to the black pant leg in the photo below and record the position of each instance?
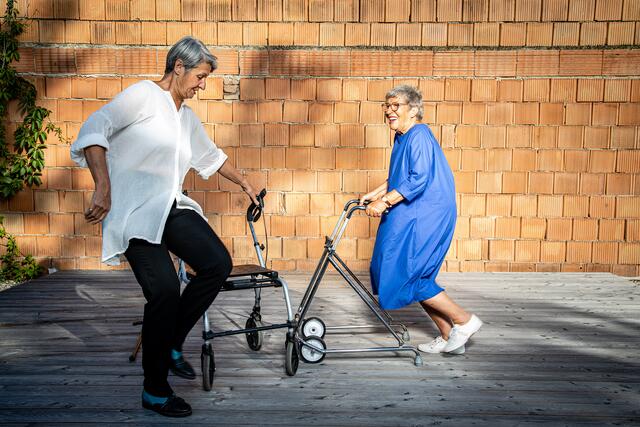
(190, 237)
(156, 274)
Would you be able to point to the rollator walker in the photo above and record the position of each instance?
(249, 276)
(310, 332)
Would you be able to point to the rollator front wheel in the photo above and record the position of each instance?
(291, 360)
(254, 339)
(311, 355)
(208, 365)
(313, 327)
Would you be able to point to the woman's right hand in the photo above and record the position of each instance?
(100, 204)
(369, 197)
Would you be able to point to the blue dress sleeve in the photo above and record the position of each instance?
(420, 166)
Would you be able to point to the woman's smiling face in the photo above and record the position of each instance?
(399, 114)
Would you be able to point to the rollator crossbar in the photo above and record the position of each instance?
(208, 335)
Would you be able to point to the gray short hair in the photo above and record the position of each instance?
(411, 95)
(192, 52)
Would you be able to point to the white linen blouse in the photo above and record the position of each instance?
(150, 148)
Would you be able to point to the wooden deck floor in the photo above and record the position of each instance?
(556, 349)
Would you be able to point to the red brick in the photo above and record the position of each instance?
(620, 62)
(510, 90)
(629, 253)
(453, 63)
(486, 33)
(434, 34)
(408, 35)
(596, 137)
(617, 90)
(581, 10)
(301, 135)
(58, 87)
(577, 114)
(357, 34)
(622, 137)
(251, 135)
(605, 252)
(276, 134)
(608, 11)
(460, 35)
(539, 33)
(537, 63)
(576, 206)
(593, 33)
(303, 89)
(513, 34)
(484, 90)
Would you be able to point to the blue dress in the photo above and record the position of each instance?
(414, 237)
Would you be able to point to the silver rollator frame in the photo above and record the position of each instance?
(329, 256)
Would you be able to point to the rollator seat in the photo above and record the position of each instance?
(252, 270)
(249, 276)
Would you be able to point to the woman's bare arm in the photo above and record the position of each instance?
(101, 200)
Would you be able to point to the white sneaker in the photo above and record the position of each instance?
(460, 334)
(437, 346)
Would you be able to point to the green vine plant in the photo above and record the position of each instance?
(14, 266)
(22, 164)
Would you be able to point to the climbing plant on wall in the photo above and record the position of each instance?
(21, 164)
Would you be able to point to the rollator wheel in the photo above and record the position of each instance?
(254, 339)
(208, 365)
(310, 355)
(291, 358)
(313, 327)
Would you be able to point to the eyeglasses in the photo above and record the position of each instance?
(394, 106)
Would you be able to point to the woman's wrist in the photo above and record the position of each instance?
(386, 201)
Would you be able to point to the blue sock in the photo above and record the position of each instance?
(149, 398)
(175, 355)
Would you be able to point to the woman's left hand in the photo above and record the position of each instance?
(247, 188)
(376, 208)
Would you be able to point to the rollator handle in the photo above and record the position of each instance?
(254, 211)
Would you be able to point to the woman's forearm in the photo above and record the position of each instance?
(101, 201)
(393, 197)
(382, 189)
(97, 161)
(232, 174)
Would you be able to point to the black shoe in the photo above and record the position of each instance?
(174, 407)
(182, 368)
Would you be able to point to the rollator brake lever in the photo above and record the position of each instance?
(254, 211)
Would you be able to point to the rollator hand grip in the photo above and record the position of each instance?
(254, 211)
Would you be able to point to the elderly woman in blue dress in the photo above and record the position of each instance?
(417, 204)
(139, 148)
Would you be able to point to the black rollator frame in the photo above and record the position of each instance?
(249, 276)
(310, 332)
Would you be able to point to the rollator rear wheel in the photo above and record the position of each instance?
(254, 339)
(310, 355)
(291, 360)
(208, 365)
(313, 327)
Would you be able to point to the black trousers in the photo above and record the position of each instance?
(168, 315)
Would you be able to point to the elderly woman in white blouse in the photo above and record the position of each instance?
(139, 148)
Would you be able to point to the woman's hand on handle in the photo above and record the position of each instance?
(234, 175)
(376, 208)
(375, 194)
(247, 188)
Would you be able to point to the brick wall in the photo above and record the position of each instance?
(535, 102)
